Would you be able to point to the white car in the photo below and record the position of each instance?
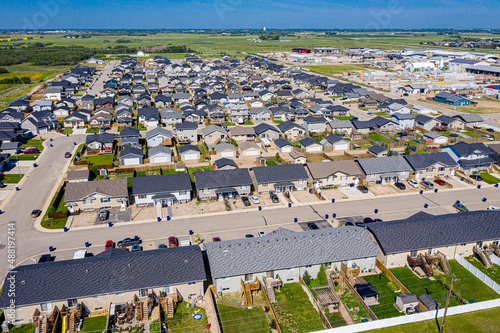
(413, 183)
(493, 208)
(261, 233)
(255, 199)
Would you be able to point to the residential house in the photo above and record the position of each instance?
(471, 157)
(378, 151)
(163, 190)
(76, 120)
(425, 123)
(340, 127)
(242, 133)
(398, 108)
(42, 105)
(61, 111)
(225, 150)
(334, 173)
(40, 122)
(283, 146)
(189, 153)
(311, 145)
(450, 123)
(221, 184)
(434, 138)
(131, 136)
(171, 117)
(385, 170)
(101, 141)
(131, 156)
(97, 194)
(404, 120)
(234, 263)
(314, 124)
(430, 234)
(451, 99)
(296, 157)
(78, 176)
(148, 116)
(470, 119)
(260, 114)
(213, 134)
(225, 164)
(292, 131)
(177, 273)
(186, 132)
(160, 154)
(280, 178)
(101, 118)
(88, 102)
(432, 165)
(159, 136)
(266, 133)
(248, 148)
(336, 142)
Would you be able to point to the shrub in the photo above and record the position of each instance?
(306, 278)
(321, 276)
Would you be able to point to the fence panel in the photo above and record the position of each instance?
(495, 259)
(477, 273)
(319, 309)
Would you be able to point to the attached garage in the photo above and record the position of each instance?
(190, 156)
(341, 146)
(132, 161)
(251, 152)
(227, 154)
(131, 156)
(189, 152)
(160, 159)
(286, 149)
(314, 148)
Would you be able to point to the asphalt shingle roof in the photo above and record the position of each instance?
(110, 187)
(436, 231)
(377, 149)
(320, 170)
(384, 164)
(222, 178)
(161, 184)
(109, 272)
(280, 173)
(282, 249)
(423, 161)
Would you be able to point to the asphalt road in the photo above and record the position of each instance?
(102, 77)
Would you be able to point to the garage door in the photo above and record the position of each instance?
(43, 130)
(160, 160)
(227, 154)
(342, 146)
(251, 153)
(314, 148)
(286, 149)
(190, 157)
(132, 161)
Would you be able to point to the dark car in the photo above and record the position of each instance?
(378, 220)
(349, 224)
(109, 244)
(400, 186)
(362, 188)
(173, 242)
(401, 134)
(274, 197)
(67, 154)
(477, 177)
(162, 246)
(454, 135)
(491, 130)
(45, 258)
(368, 220)
(2, 185)
(216, 239)
(136, 248)
(249, 236)
(36, 213)
(312, 226)
(440, 182)
(246, 201)
(129, 241)
(103, 214)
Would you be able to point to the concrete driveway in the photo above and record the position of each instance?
(115, 216)
(354, 193)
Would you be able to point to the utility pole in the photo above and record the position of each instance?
(453, 277)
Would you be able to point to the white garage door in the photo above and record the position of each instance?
(251, 153)
(227, 154)
(163, 159)
(132, 161)
(190, 157)
(43, 130)
(286, 149)
(443, 140)
(341, 146)
(314, 148)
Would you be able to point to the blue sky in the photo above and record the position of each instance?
(182, 14)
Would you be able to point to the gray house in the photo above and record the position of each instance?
(220, 184)
(189, 153)
(385, 170)
(159, 136)
(130, 135)
(163, 190)
(314, 124)
(187, 132)
(160, 154)
(280, 178)
(285, 255)
(131, 156)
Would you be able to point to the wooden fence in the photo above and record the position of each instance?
(371, 314)
(314, 302)
(270, 307)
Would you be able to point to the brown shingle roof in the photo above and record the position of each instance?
(325, 169)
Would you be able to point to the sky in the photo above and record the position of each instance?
(239, 14)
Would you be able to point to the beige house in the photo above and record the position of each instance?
(249, 149)
(98, 282)
(242, 133)
(432, 165)
(214, 134)
(297, 157)
(334, 173)
(280, 178)
(424, 233)
(97, 194)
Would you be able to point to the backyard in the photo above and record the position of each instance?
(94, 324)
(100, 159)
(26, 328)
(183, 318)
(388, 291)
(294, 311)
(493, 272)
(378, 137)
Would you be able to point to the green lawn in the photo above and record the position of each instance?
(229, 124)
(11, 178)
(295, 143)
(387, 297)
(54, 224)
(22, 157)
(493, 272)
(343, 118)
(100, 159)
(294, 311)
(271, 163)
(378, 137)
(183, 317)
(484, 321)
(471, 134)
(235, 320)
(92, 130)
(94, 324)
(33, 143)
(487, 178)
(469, 287)
(248, 122)
(336, 69)
(419, 286)
(68, 130)
(26, 328)
(277, 121)
(191, 171)
(382, 114)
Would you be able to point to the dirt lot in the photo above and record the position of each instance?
(84, 219)
(305, 196)
(382, 189)
(143, 213)
(456, 182)
(192, 208)
(333, 194)
(265, 201)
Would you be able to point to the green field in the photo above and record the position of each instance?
(378, 137)
(484, 321)
(336, 69)
(101, 159)
(183, 317)
(487, 178)
(10, 178)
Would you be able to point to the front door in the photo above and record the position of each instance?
(249, 277)
(270, 274)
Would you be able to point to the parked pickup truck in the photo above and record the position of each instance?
(129, 241)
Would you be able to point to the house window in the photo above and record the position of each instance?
(206, 190)
(225, 289)
(330, 179)
(45, 307)
(143, 292)
(105, 199)
(265, 184)
(343, 177)
(182, 192)
(72, 303)
(395, 254)
(243, 187)
(464, 244)
(99, 308)
(88, 201)
(97, 297)
(191, 283)
(441, 169)
(121, 293)
(300, 181)
(141, 196)
(393, 264)
(288, 280)
(19, 320)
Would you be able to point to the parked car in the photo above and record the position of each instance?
(493, 208)
(362, 188)
(162, 246)
(274, 197)
(246, 201)
(368, 220)
(261, 233)
(255, 199)
(428, 185)
(248, 236)
(36, 213)
(216, 239)
(413, 183)
(400, 186)
(461, 208)
(440, 182)
(31, 150)
(2, 185)
(312, 226)
(45, 258)
(129, 241)
(103, 214)
(136, 248)
(109, 244)
(173, 241)
(477, 177)
(349, 224)
(67, 154)
(378, 220)
(491, 130)
(490, 138)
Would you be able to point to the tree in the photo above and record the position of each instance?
(407, 150)
(391, 152)
(278, 158)
(322, 276)
(307, 278)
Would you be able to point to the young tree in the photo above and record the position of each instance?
(307, 278)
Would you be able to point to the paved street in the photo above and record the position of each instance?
(103, 76)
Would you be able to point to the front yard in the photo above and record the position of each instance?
(489, 179)
(10, 178)
(388, 291)
(36, 143)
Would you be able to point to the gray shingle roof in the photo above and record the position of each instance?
(158, 131)
(101, 137)
(284, 249)
(280, 173)
(384, 165)
(315, 120)
(159, 150)
(213, 128)
(465, 149)
(224, 162)
(263, 127)
(436, 231)
(109, 272)
(161, 184)
(110, 187)
(287, 125)
(186, 148)
(377, 149)
(282, 143)
(131, 151)
(306, 142)
(186, 126)
(222, 178)
(423, 161)
(78, 174)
